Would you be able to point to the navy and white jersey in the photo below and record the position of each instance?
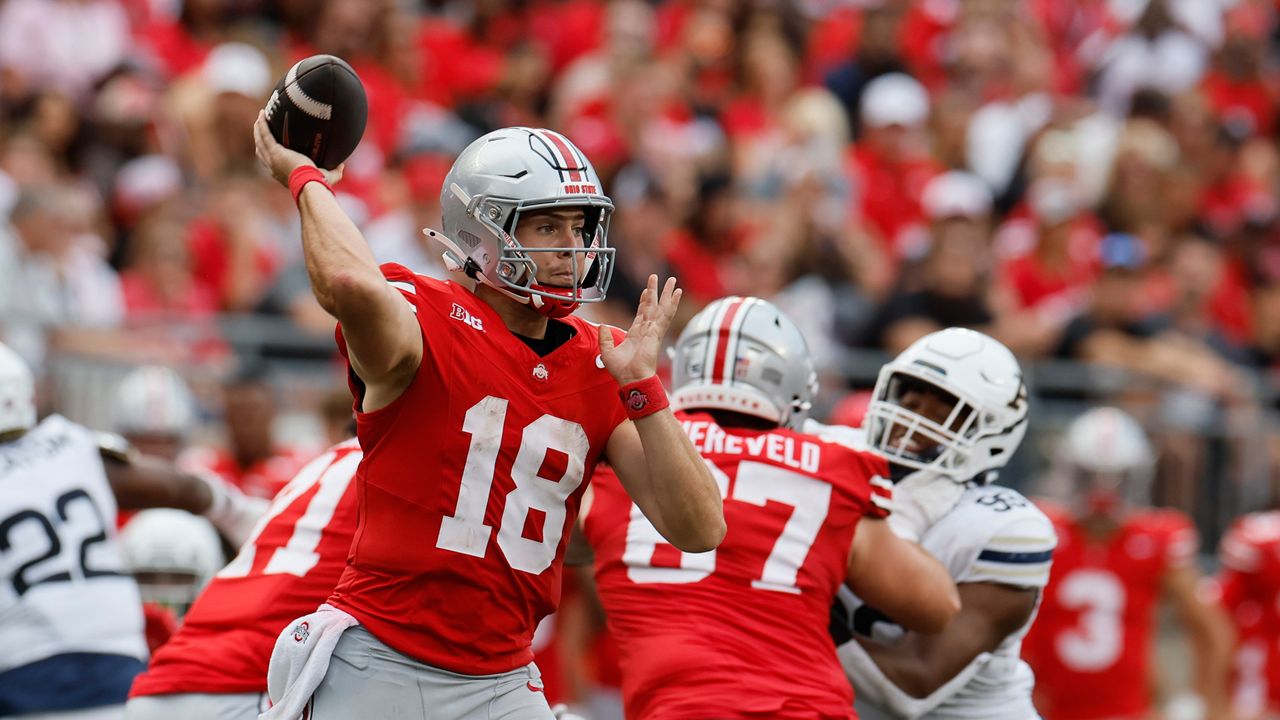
(993, 534)
(67, 607)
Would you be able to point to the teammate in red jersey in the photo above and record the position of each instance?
(1090, 645)
(216, 664)
(1249, 590)
(741, 632)
(481, 410)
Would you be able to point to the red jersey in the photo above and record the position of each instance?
(262, 479)
(740, 631)
(1249, 583)
(471, 481)
(284, 570)
(1091, 641)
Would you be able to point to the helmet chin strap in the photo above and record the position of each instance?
(551, 308)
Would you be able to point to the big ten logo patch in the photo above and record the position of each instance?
(461, 313)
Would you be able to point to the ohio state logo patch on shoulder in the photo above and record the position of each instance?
(637, 400)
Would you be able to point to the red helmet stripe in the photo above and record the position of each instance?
(724, 338)
(567, 156)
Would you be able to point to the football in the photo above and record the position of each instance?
(319, 109)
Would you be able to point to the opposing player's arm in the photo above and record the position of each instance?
(921, 665)
(900, 578)
(383, 338)
(1211, 634)
(653, 457)
(139, 482)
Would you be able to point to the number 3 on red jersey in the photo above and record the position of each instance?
(755, 484)
(465, 532)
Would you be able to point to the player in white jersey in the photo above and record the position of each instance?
(71, 635)
(948, 413)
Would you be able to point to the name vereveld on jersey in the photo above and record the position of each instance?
(709, 438)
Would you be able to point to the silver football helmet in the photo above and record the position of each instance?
(1106, 461)
(154, 400)
(509, 172)
(744, 355)
(17, 392)
(979, 383)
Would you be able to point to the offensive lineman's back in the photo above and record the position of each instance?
(743, 626)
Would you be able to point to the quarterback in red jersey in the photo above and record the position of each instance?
(741, 631)
(216, 664)
(482, 405)
(1090, 646)
(1249, 590)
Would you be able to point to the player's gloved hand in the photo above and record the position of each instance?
(920, 500)
(636, 358)
(232, 512)
(562, 712)
(280, 160)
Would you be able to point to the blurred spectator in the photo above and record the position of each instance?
(54, 274)
(1114, 329)
(1160, 52)
(876, 54)
(232, 246)
(890, 163)
(252, 460)
(61, 45)
(155, 411)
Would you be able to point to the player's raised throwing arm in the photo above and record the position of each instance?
(653, 457)
(383, 339)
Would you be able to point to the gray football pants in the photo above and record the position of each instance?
(196, 706)
(367, 679)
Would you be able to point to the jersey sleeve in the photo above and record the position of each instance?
(873, 488)
(1181, 541)
(1018, 552)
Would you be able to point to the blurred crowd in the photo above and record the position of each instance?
(1092, 180)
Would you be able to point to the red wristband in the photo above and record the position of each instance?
(302, 175)
(643, 398)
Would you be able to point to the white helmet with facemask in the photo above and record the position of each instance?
(742, 354)
(172, 554)
(511, 172)
(981, 386)
(17, 392)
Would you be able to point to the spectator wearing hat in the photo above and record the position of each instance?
(1114, 330)
(890, 164)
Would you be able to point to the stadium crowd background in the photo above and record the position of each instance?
(1093, 182)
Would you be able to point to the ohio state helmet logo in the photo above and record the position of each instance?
(637, 400)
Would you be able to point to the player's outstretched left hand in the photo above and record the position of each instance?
(637, 357)
(280, 160)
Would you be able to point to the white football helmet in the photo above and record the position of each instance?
(744, 355)
(509, 172)
(154, 400)
(172, 554)
(981, 384)
(17, 392)
(1107, 460)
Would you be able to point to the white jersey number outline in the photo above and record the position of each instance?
(756, 484)
(465, 531)
(1096, 643)
(298, 555)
